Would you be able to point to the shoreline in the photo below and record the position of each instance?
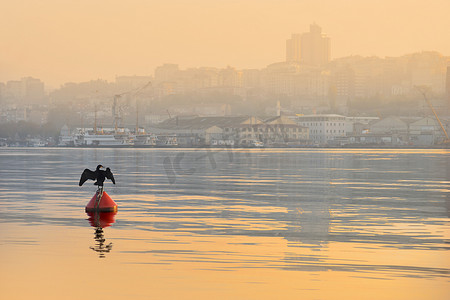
(353, 146)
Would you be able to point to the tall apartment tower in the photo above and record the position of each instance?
(315, 47)
(293, 53)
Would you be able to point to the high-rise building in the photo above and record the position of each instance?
(293, 53)
(315, 47)
(133, 82)
(166, 73)
(14, 89)
(33, 89)
(28, 89)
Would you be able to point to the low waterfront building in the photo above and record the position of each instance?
(426, 131)
(242, 130)
(325, 128)
(377, 139)
(196, 131)
(282, 130)
(390, 124)
(357, 125)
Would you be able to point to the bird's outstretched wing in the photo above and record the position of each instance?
(87, 174)
(110, 175)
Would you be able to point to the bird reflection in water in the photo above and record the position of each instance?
(100, 246)
(100, 220)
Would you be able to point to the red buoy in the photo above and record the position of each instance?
(101, 219)
(101, 202)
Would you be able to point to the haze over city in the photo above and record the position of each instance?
(224, 149)
(61, 41)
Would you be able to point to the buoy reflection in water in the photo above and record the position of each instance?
(100, 220)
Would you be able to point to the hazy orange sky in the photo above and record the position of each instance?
(78, 40)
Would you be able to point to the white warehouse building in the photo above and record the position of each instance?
(324, 128)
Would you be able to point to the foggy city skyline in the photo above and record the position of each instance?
(225, 149)
(60, 42)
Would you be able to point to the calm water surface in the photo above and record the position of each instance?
(227, 224)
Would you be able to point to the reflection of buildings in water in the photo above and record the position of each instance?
(310, 202)
(447, 204)
(447, 178)
(310, 224)
(100, 220)
(309, 209)
(301, 184)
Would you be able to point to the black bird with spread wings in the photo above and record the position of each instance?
(98, 174)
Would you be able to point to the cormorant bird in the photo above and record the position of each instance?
(99, 175)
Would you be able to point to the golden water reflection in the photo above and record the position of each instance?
(274, 224)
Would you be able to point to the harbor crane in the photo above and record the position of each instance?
(423, 90)
(115, 109)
